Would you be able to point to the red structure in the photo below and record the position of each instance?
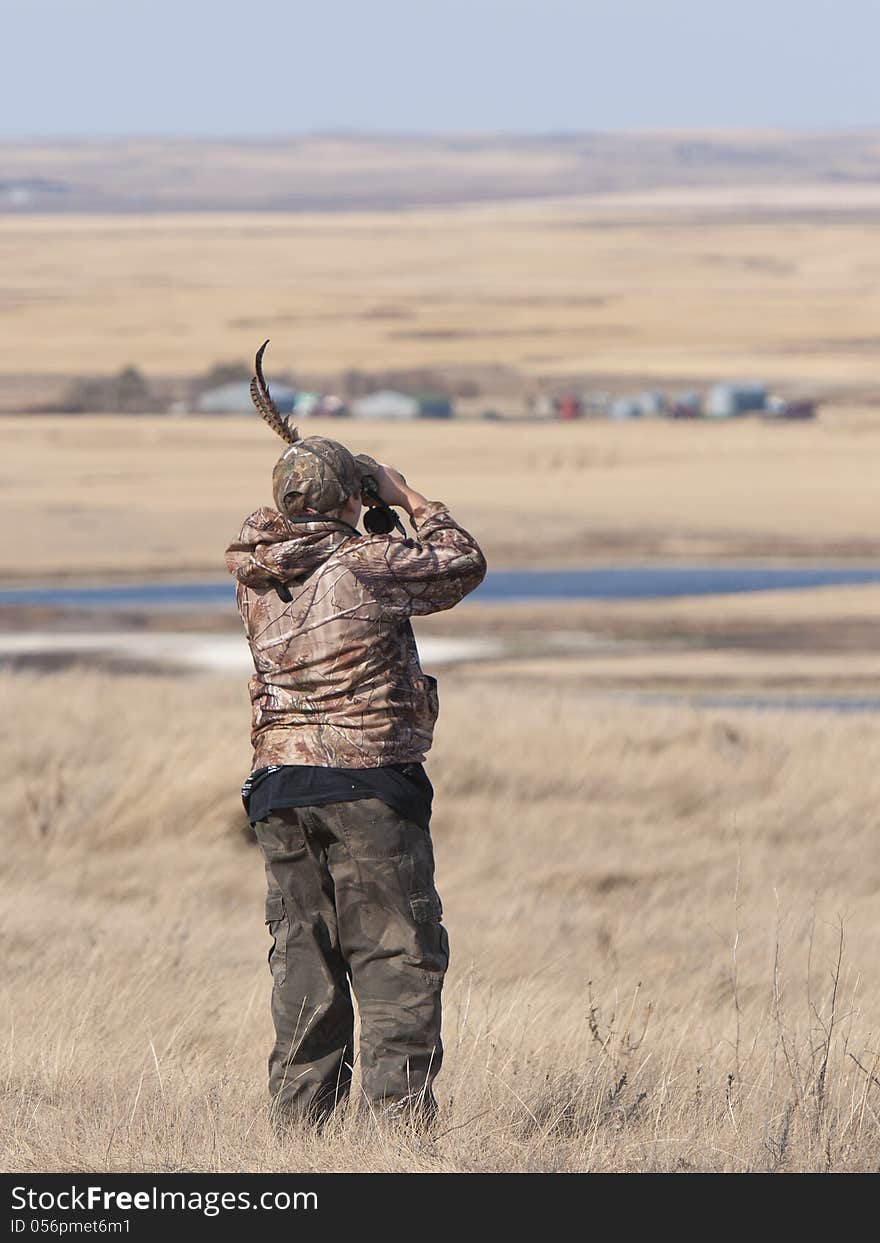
(569, 406)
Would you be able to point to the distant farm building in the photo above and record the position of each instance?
(728, 400)
(652, 402)
(626, 408)
(781, 408)
(686, 405)
(434, 406)
(386, 404)
(318, 405)
(569, 406)
(390, 404)
(332, 407)
(236, 399)
(542, 407)
(596, 401)
(306, 404)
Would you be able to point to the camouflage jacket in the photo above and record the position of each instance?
(337, 679)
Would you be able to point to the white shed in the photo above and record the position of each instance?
(236, 399)
(626, 408)
(386, 404)
(652, 402)
(730, 399)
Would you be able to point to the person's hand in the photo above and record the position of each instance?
(393, 489)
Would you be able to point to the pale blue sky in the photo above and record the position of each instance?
(225, 67)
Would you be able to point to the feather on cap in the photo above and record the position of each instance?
(262, 399)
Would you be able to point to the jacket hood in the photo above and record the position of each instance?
(271, 549)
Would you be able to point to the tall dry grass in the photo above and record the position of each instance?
(664, 928)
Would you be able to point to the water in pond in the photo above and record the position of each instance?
(613, 583)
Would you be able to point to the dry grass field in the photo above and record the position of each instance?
(664, 917)
(676, 289)
(127, 498)
(645, 911)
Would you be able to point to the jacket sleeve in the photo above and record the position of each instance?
(428, 574)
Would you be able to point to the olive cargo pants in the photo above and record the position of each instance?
(351, 898)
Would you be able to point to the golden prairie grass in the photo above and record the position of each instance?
(92, 497)
(645, 911)
(807, 622)
(649, 668)
(547, 288)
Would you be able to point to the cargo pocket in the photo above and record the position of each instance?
(426, 907)
(426, 704)
(278, 925)
(432, 696)
(427, 911)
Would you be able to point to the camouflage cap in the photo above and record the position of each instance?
(315, 473)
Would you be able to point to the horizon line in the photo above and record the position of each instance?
(367, 134)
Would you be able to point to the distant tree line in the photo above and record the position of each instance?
(127, 392)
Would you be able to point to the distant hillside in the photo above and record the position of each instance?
(350, 171)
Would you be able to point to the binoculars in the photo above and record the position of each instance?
(379, 518)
